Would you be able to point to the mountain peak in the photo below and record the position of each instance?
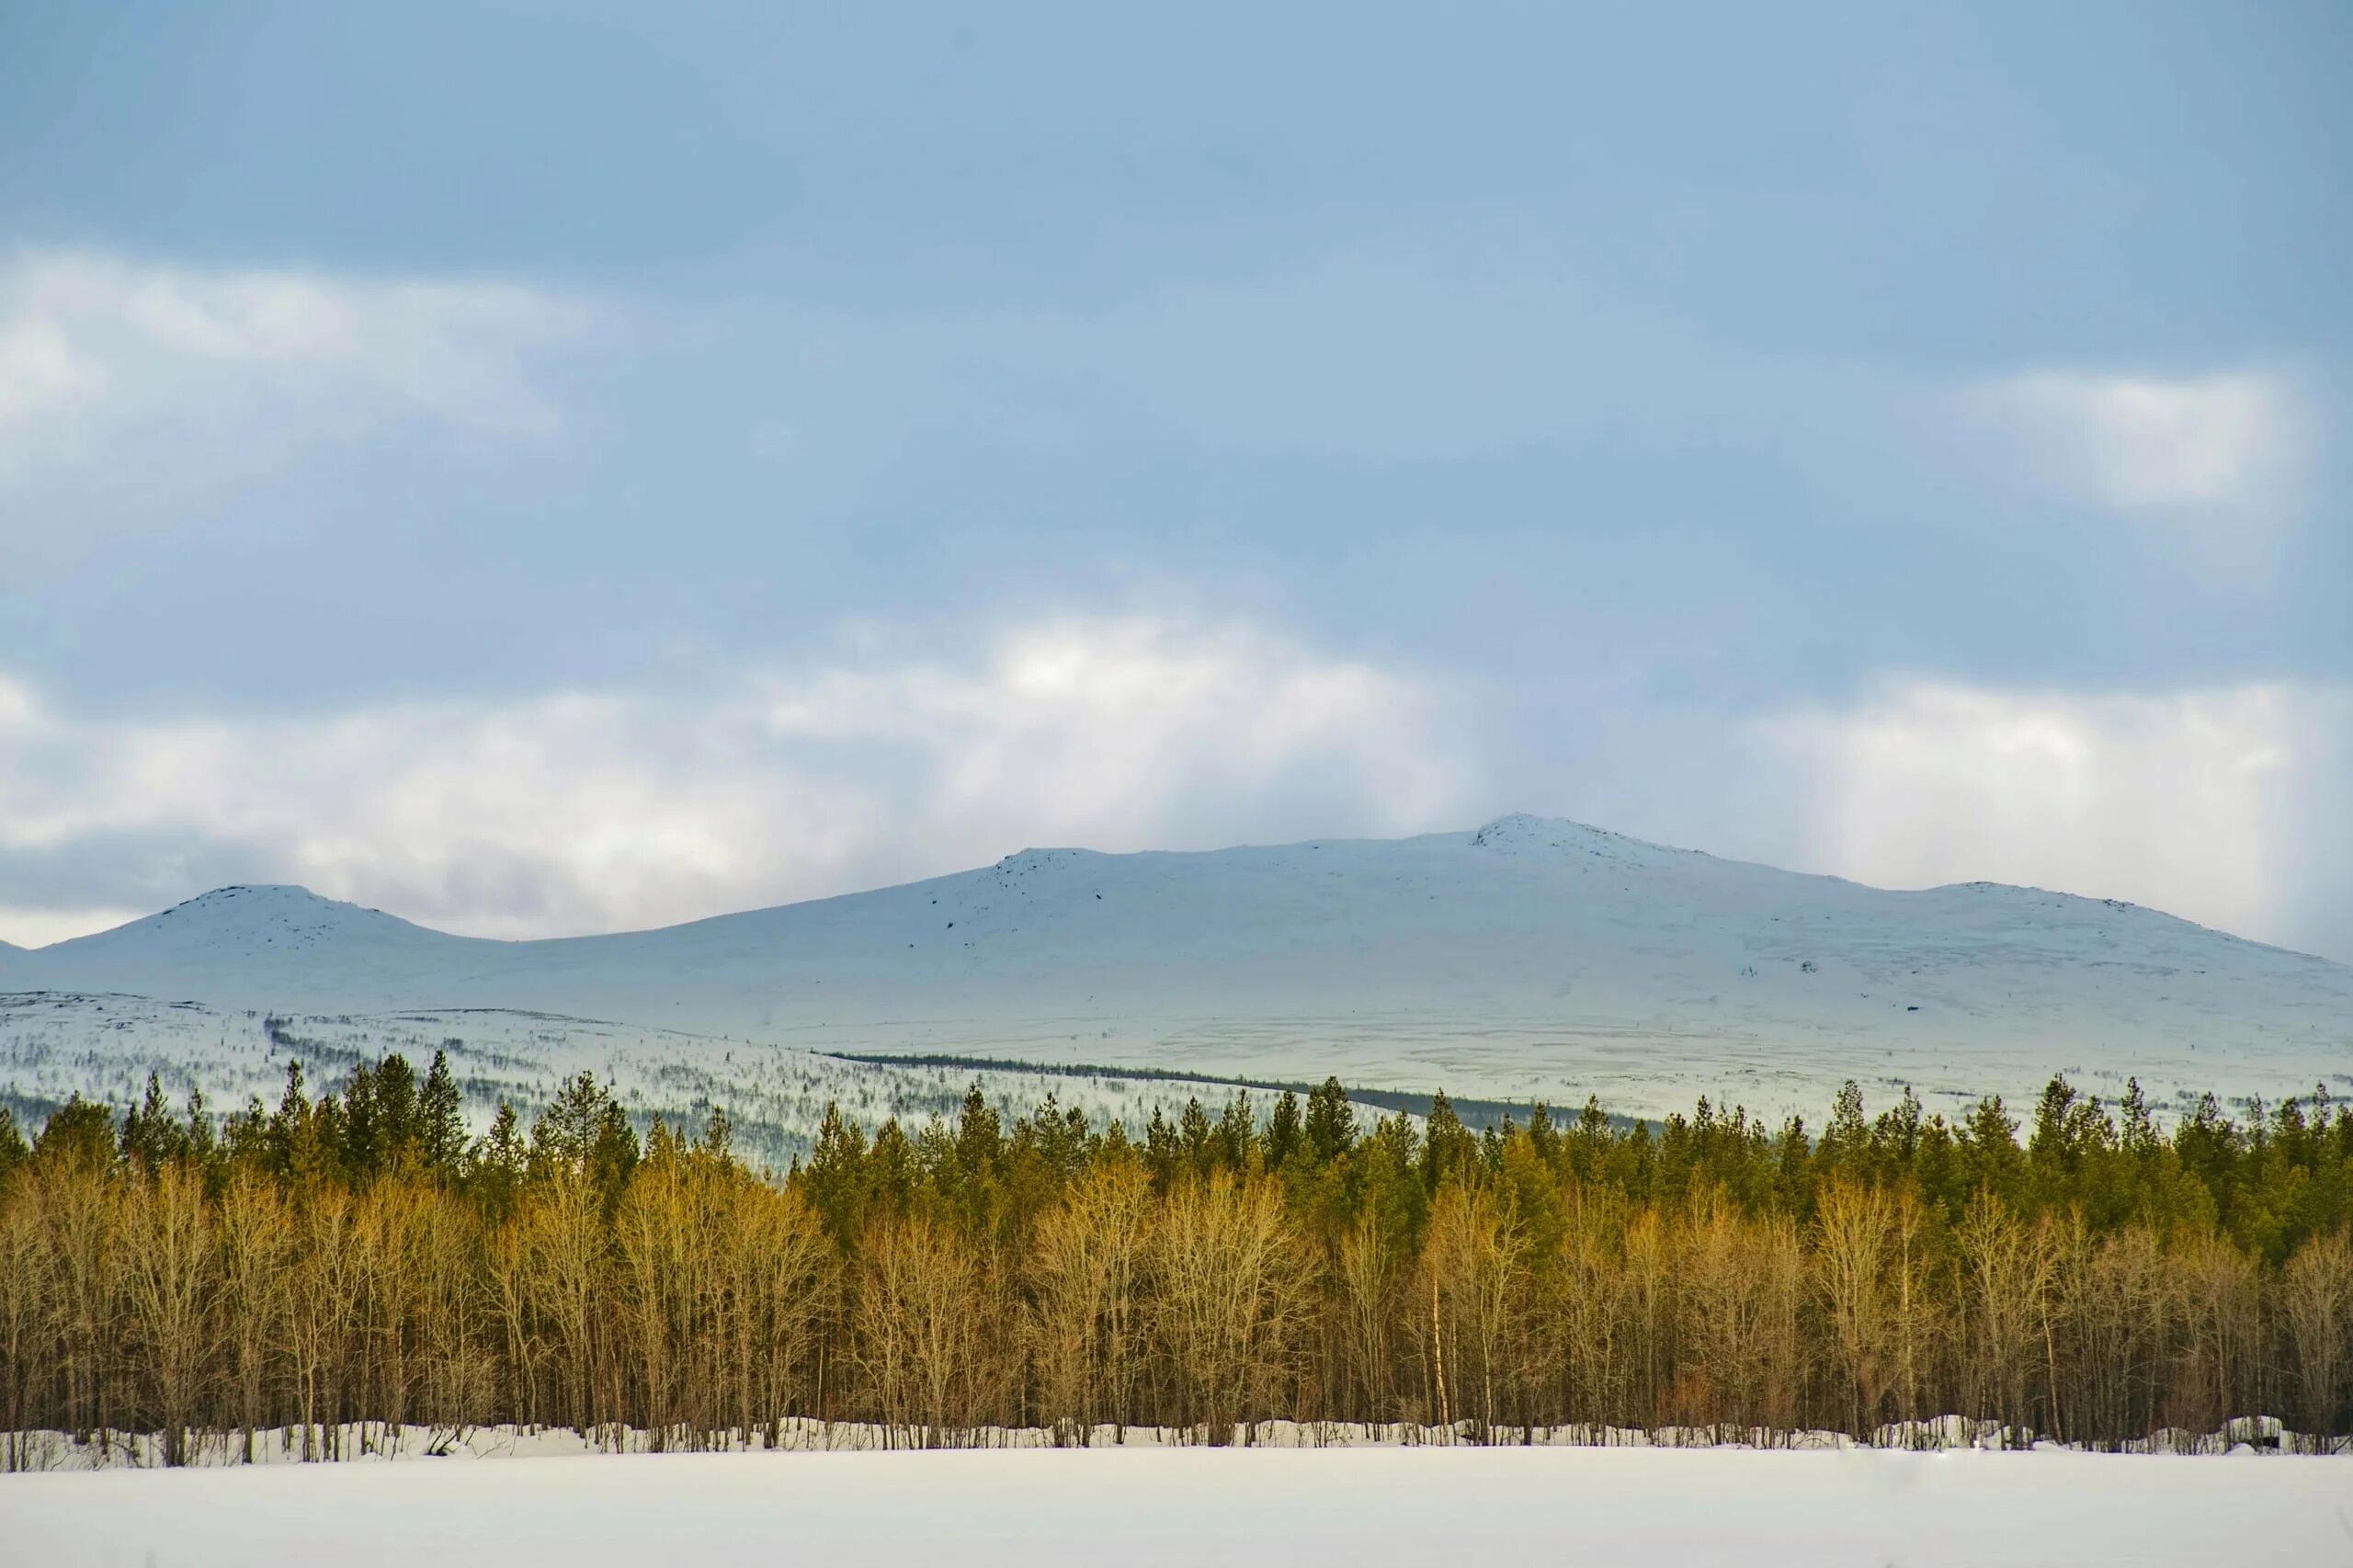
(1524, 833)
(251, 918)
(264, 901)
(279, 893)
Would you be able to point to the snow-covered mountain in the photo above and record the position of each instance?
(1531, 958)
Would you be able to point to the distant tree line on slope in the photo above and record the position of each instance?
(357, 1258)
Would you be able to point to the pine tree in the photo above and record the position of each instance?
(565, 1136)
(14, 1149)
(717, 1144)
(1450, 1148)
(1990, 1157)
(1162, 1151)
(1895, 1136)
(1845, 1141)
(835, 1175)
(500, 1162)
(2140, 1131)
(1331, 1122)
(614, 1152)
(398, 1137)
(1194, 1132)
(441, 1120)
(979, 1135)
(198, 1145)
(153, 1137)
(80, 1133)
(1236, 1135)
(1284, 1133)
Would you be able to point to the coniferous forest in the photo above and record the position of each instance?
(2079, 1275)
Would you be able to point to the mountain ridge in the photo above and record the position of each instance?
(1529, 957)
(1507, 832)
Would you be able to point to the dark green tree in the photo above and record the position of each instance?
(1331, 1122)
(1449, 1148)
(14, 1149)
(500, 1162)
(80, 1132)
(1285, 1136)
(440, 1120)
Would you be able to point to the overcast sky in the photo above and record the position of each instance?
(542, 469)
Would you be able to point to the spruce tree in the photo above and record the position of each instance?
(614, 1152)
(1236, 1135)
(397, 1135)
(149, 1134)
(1194, 1132)
(1283, 1132)
(1331, 1122)
(1990, 1160)
(1845, 1141)
(980, 1135)
(79, 1133)
(835, 1175)
(1451, 1147)
(499, 1164)
(1161, 1151)
(290, 1127)
(441, 1120)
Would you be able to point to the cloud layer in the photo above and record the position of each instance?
(598, 810)
(127, 388)
(2231, 442)
(601, 810)
(2201, 802)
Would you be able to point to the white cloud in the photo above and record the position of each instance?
(2197, 802)
(40, 372)
(2223, 805)
(582, 811)
(2231, 442)
(604, 810)
(19, 708)
(36, 925)
(128, 385)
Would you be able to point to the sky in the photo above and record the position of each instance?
(553, 468)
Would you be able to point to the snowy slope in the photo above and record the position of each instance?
(1534, 957)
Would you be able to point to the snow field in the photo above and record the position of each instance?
(1355, 1506)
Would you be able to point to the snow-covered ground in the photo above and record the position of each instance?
(1532, 958)
(1355, 1506)
(53, 1044)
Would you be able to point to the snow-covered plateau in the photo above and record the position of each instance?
(1532, 958)
(1362, 1506)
